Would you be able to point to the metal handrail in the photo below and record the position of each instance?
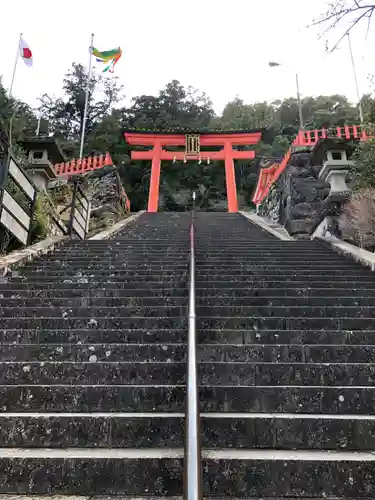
(193, 462)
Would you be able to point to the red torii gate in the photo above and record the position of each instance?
(193, 142)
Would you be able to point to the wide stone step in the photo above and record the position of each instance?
(298, 283)
(86, 284)
(291, 353)
(294, 399)
(72, 323)
(239, 275)
(106, 430)
(224, 257)
(84, 301)
(135, 277)
(266, 311)
(93, 301)
(122, 398)
(288, 374)
(94, 293)
(165, 430)
(213, 322)
(102, 275)
(280, 336)
(284, 323)
(263, 271)
(94, 311)
(86, 335)
(271, 267)
(285, 301)
(297, 292)
(158, 472)
(91, 398)
(202, 292)
(102, 352)
(106, 264)
(92, 372)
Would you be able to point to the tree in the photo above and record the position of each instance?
(346, 14)
(17, 120)
(174, 107)
(65, 114)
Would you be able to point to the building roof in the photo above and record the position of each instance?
(202, 131)
(55, 153)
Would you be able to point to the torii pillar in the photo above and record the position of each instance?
(227, 154)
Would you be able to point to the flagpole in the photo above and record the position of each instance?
(86, 100)
(356, 81)
(15, 65)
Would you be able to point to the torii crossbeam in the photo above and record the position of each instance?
(193, 141)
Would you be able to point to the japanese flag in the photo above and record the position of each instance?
(26, 53)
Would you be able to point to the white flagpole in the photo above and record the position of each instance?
(86, 100)
(356, 81)
(15, 65)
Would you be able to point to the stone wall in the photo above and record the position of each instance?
(296, 197)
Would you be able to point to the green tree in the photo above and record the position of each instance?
(65, 114)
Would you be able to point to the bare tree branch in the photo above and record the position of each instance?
(340, 11)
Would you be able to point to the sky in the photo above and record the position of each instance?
(220, 47)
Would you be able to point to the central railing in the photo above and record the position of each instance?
(193, 460)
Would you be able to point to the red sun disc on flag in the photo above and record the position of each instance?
(26, 53)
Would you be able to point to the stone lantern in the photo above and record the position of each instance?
(43, 153)
(332, 154)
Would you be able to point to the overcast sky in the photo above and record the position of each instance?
(221, 47)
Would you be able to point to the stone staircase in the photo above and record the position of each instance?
(92, 367)
(93, 352)
(287, 334)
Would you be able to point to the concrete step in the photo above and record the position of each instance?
(282, 301)
(91, 398)
(353, 277)
(262, 271)
(290, 353)
(106, 271)
(94, 293)
(319, 399)
(94, 302)
(171, 322)
(102, 352)
(267, 311)
(297, 283)
(210, 301)
(147, 372)
(166, 430)
(109, 323)
(157, 472)
(120, 275)
(126, 398)
(255, 293)
(283, 323)
(90, 335)
(92, 372)
(88, 284)
(284, 374)
(81, 291)
(95, 312)
(177, 352)
(253, 336)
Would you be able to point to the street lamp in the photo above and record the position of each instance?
(356, 81)
(273, 64)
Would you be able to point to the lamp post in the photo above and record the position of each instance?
(273, 64)
(356, 81)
